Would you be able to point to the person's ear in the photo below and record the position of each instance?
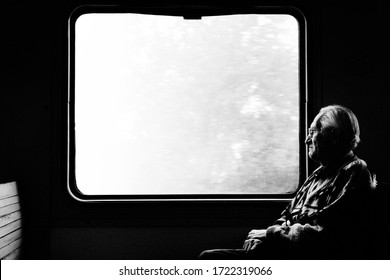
(332, 136)
(335, 136)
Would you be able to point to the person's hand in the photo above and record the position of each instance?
(254, 239)
(251, 244)
(257, 234)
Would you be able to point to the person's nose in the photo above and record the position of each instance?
(308, 139)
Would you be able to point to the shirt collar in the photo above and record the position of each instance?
(335, 166)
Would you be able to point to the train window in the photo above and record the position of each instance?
(163, 105)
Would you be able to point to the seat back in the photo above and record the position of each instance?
(10, 222)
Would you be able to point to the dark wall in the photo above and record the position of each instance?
(355, 47)
(26, 115)
(348, 60)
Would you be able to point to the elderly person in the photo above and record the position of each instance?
(327, 215)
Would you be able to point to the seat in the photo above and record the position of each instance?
(10, 222)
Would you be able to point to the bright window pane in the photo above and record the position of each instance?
(165, 105)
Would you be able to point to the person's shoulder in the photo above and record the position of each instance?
(355, 162)
(357, 168)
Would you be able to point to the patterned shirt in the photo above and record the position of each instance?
(326, 207)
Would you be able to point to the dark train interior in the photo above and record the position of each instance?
(344, 60)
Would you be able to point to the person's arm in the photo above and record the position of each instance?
(257, 236)
(294, 233)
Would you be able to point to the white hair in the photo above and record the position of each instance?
(341, 123)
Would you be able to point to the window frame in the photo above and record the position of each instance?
(190, 12)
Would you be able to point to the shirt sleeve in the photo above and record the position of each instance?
(296, 233)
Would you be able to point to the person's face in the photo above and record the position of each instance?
(318, 144)
(312, 143)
